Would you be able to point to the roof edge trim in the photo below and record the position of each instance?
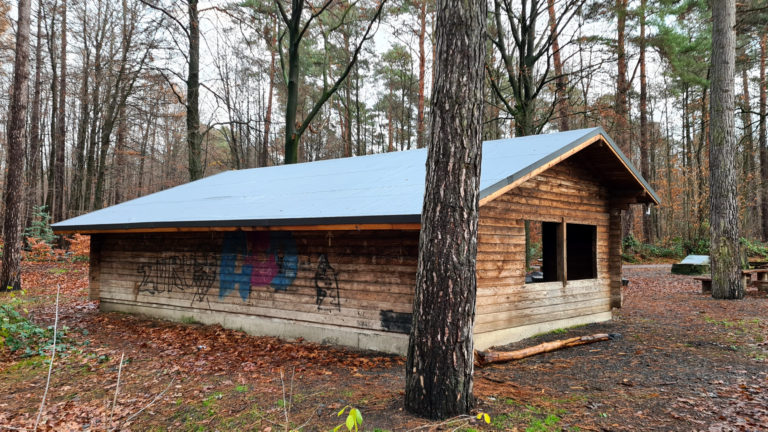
(328, 223)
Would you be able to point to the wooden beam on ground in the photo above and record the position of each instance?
(483, 358)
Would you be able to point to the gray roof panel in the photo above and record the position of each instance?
(386, 187)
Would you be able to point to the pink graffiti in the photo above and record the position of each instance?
(264, 264)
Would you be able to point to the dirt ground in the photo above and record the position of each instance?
(683, 362)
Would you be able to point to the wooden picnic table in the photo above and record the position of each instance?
(755, 277)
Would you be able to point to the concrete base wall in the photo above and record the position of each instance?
(484, 341)
(393, 343)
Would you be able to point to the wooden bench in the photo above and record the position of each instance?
(750, 277)
(706, 284)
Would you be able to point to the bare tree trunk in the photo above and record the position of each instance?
(194, 138)
(76, 197)
(33, 176)
(53, 55)
(61, 123)
(10, 274)
(118, 179)
(724, 219)
(422, 73)
(762, 134)
(264, 152)
(560, 81)
(440, 348)
(644, 144)
(748, 192)
(622, 89)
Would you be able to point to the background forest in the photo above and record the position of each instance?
(131, 97)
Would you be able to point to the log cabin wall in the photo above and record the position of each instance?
(508, 309)
(345, 287)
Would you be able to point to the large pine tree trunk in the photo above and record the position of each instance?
(10, 274)
(440, 349)
(724, 214)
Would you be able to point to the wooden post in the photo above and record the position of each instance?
(94, 276)
(562, 253)
(614, 256)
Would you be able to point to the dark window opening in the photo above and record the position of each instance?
(541, 253)
(559, 252)
(581, 253)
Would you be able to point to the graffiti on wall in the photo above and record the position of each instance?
(187, 273)
(327, 285)
(268, 259)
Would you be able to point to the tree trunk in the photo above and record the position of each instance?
(422, 74)
(748, 191)
(76, 197)
(762, 134)
(560, 82)
(264, 151)
(622, 89)
(440, 349)
(118, 179)
(644, 144)
(292, 96)
(724, 214)
(10, 274)
(33, 176)
(61, 123)
(194, 139)
(53, 55)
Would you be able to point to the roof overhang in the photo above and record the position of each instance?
(593, 147)
(638, 192)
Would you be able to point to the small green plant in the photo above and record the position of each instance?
(241, 389)
(545, 425)
(354, 419)
(40, 227)
(19, 333)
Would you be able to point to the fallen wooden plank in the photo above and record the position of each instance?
(483, 358)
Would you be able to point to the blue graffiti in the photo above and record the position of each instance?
(283, 248)
(267, 260)
(235, 245)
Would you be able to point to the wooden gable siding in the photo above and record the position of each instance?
(366, 277)
(565, 192)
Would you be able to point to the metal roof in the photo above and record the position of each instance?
(379, 188)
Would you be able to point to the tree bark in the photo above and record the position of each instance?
(76, 197)
(33, 175)
(748, 191)
(264, 151)
(440, 349)
(560, 81)
(422, 74)
(194, 138)
(61, 123)
(724, 214)
(762, 134)
(644, 144)
(10, 274)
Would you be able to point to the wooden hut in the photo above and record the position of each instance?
(327, 250)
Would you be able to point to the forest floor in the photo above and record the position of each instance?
(683, 362)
